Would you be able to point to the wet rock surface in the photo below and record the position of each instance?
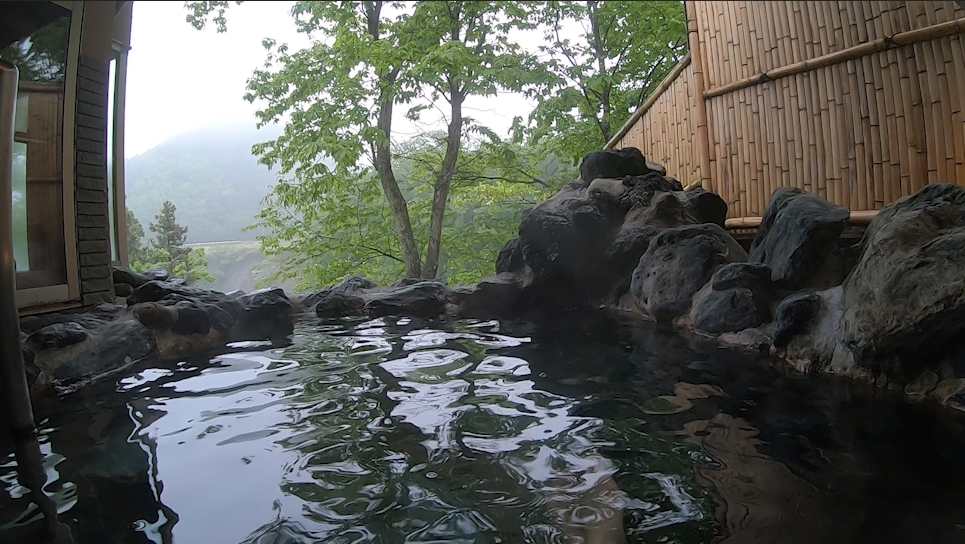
(161, 318)
(628, 238)
(797, 233)
(631, 239)
(677, 264)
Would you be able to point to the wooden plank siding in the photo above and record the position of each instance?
(859, 102)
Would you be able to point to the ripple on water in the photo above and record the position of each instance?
(395, 430)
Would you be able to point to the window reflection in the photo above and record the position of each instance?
(37, 45)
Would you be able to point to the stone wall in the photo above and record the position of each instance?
(90, 191)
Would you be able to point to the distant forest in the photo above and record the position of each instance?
(210, 175)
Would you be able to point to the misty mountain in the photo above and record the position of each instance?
(211, 177)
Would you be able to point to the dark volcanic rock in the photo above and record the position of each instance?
(677, 264)
(729, 310)
(193, 318)
(350, 285)
(221, 320)
(123, 290)
(628, 246)
(794, 316)
(563, 240)
(612, 163)
(906, 295)
(155, 316)
(338, 304)
(124, 275)
(797, 233)
(495, 296)
(268, 303)
(510, 258)
(424, 299)
(754, 276)
(405, 282)
(169, 293)
(58, 335)
(641, 189)
(116, 346)
(735, 298)
(108, 311)
(158, 274)
(707, 207)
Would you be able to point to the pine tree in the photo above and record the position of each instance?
(136, 251)
(169, 236)
(168, 250)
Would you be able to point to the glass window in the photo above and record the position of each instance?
(37, 46)
(20, 247)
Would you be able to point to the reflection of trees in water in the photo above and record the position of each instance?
(422, 454)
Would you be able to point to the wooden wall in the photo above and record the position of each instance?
(859, 102)
(665, 131)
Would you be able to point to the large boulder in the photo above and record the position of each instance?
(116, 346)
(906, 295)
(797, 233)
(169, 293)
(563, 240)
(351, 285)
(266, 304)
(678, 263)
(129, 277)
(615, 163)
(496, 296)
(707, 207)
(736, 298)
(424, 299)
(58, 335)
(510, 257)
(339, 304)
(795, 316)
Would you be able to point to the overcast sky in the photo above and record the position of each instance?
(181, 79)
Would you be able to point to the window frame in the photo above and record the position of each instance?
(68, 292)
(116, 167)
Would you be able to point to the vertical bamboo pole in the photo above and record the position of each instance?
(958, 118)
(696, 61)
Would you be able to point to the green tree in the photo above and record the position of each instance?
(619, 54)
(136, 250)
(168, 251)
(349, 228)
(340, 93)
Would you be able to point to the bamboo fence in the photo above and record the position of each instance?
(858, 102)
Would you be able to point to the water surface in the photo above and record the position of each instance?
(577, 430)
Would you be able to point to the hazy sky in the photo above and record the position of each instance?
(181, 79)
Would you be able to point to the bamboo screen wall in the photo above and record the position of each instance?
(859, 102)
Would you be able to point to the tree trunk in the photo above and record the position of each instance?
(383, 165)
(604, 123)
(383, 157)
(443, 182)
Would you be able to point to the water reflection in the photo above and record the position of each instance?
(578, 430)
